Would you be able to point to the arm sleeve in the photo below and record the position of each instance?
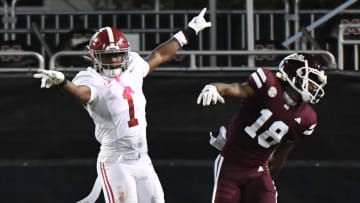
(258, 79)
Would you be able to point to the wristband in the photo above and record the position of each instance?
(184, 36)
(189, 33)
(181, 38)
(63, 83)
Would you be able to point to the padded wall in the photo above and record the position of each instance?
(43, 124)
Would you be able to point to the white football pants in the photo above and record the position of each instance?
(126, 181)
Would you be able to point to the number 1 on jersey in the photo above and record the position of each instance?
(127, 95)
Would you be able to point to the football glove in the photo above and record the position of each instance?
(50, 78)
(219, 141)
(198, 23)
(208, 95)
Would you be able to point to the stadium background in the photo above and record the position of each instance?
(48, 149)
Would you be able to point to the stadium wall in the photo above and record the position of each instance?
(45, 136)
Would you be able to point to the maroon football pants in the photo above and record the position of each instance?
(243, 185)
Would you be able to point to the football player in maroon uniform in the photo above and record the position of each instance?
(274, 114)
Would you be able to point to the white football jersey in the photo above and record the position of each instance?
(117, 107)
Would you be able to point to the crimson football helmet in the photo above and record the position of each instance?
(108, 42)
(305, 74)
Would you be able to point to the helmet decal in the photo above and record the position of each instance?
(110, 35)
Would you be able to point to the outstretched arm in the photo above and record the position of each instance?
(168, 49)
(50, 78)
(214, 92)
(163, 53)
(241, 90)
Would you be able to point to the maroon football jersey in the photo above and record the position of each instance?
(265, 120)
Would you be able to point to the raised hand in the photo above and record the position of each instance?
(198, 23)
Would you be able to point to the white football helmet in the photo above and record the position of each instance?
(106, 42)
(305, 74)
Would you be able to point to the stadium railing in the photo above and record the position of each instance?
(8, 56)
(195, 59)
(271, 26)
(40, 28)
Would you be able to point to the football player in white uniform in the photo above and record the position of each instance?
(111, 92)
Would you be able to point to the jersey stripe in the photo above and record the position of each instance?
(257, 80)
(108, 190)
(259, 77)
(262, 75)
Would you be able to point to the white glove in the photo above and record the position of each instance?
(49, 78)
(219, 141)
(208, 95)
(198, 23)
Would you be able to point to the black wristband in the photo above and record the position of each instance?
(189, 34)
(63, 83)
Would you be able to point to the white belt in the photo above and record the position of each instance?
(133, 155)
